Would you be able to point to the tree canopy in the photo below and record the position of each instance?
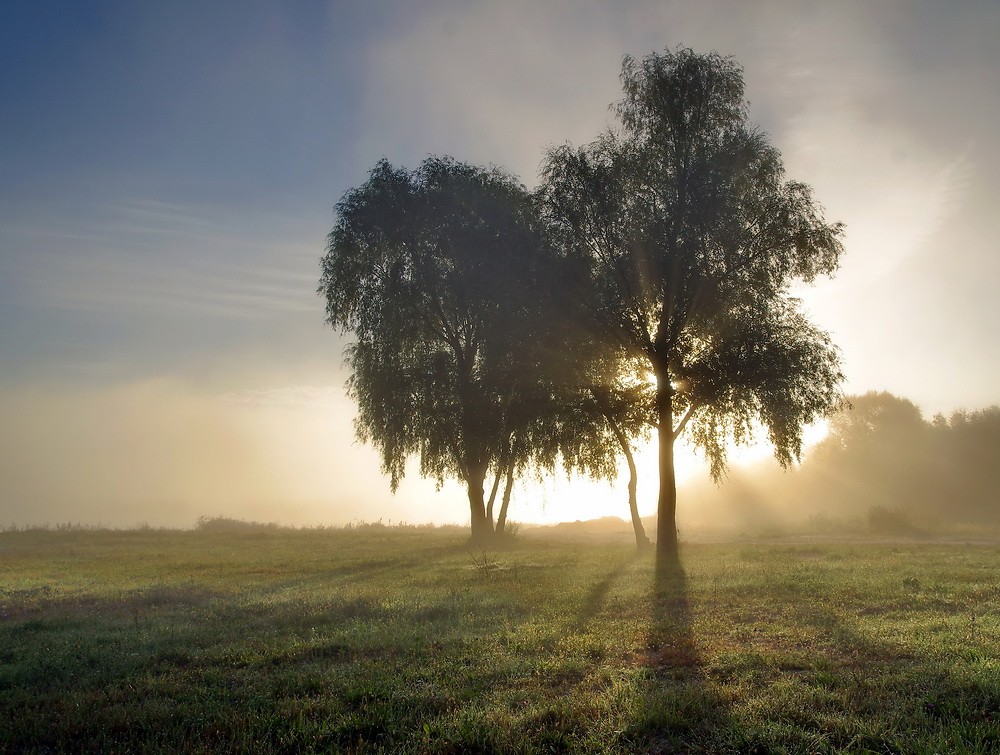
(690, 235)
(438, 275)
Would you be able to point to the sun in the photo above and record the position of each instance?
(560, 499)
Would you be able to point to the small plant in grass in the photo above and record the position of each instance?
(484, 563)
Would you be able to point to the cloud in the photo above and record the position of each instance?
(491, 82)
(148, 257)
(501, 82)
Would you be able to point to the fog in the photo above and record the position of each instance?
(165, 452)
(162, 453)
(159, 452)
(883, 468)
(168, 176)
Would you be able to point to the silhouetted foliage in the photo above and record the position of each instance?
(881, 453)
(690, 235)
(877, 453)
(967, 450)
(438, 275)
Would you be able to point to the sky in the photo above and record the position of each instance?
(168, 173)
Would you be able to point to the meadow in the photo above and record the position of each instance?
(377, 639)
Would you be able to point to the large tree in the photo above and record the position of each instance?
(437, 274)
(690, 235)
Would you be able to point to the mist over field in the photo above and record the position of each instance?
(164, 454)
(882, 465)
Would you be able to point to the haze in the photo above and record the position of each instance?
(167, 173)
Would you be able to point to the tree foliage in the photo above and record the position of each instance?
(881, 453)
(438, 275)
(480, 348)
(691, 234)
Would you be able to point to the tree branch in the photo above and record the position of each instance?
(684, 420)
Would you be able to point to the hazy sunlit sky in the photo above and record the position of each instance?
(168, 172)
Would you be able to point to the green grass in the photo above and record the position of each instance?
(401, 640)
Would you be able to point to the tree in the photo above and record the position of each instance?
(438, 275)
(877, 417)
(691, 235)
(880, 453)
(626, 414)
(966, 450)
(876, 456)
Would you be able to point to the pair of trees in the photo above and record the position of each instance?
(643, 285)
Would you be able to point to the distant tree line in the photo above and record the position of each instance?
(884, 461)
(641, 289)
(882, 453)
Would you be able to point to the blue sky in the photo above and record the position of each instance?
(153, 149)
(168, 171)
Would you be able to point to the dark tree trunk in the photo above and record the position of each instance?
(666, 504)
(508, 485)
(493, 497)
(482, 529)
(641, 541)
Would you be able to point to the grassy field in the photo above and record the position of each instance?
(401, 640)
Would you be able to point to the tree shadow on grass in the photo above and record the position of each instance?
(874, 692)
(598, 595)
(679, 709)
(817, 676)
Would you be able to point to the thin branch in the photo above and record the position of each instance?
(684, 420)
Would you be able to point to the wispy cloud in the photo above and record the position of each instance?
(294, 396)
(149, 257)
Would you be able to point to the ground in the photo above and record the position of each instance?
(404, 640)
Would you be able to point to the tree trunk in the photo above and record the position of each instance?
(508, 485)
(666, 504)
(493, 497)
(482, 530)
(641, 541)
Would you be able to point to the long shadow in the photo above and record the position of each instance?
(679, 710)
(598, 595)
(362, 568)
(846, 690)
(899, 698)
(670, 643)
